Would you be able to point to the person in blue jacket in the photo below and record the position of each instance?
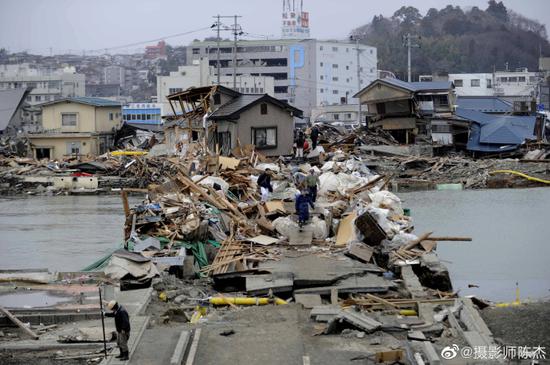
(303, 202)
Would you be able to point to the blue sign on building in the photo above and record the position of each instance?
(142, 113)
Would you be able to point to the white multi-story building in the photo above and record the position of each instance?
(307, 72)
(47, 84)
(477, 84)
(114, 75)
(514, 86)
(201, 74)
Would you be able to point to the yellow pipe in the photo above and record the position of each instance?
(530, 178)
(245, 301)
(408, 312)
(129, 153)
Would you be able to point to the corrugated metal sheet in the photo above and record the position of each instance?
(495, 133)
(485, 104)
(9, 102)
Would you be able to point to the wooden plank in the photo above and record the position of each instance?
(447, 238)
(228, 163)
(361, 252)
(263, 240)
(18, 323)
(274, 206)
(428, 246)
(416, 241)
(346, 230)
(334, 296)
(124, 196)
(380, 300)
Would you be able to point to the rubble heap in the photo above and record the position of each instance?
(356, 264)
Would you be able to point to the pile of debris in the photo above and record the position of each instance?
(356, 263)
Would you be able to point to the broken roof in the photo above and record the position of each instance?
(485, 104)
(10, 100)
(199, 92)
(233, 108)
(412, 87)
(497, 133)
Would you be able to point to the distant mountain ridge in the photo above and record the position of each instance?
(454, 40)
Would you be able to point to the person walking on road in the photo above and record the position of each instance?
(312, 182)
(122, 324)
(303, 202)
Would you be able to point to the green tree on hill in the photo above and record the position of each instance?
(456, 40)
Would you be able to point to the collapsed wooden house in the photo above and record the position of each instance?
(221, 119)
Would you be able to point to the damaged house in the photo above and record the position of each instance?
(76, 126)
(410, 111)
(224, 119)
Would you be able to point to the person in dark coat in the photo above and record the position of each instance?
(303, 202)
(264, 182)
(122, 325)
(314, 135)
(300, 139)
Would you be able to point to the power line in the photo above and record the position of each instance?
(149, 41)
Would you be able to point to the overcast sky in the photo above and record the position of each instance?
(86, 25)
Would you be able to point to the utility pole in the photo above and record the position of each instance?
(235, 53)
(218, 49)
(408, 42)
(236, 32)
(359, 109)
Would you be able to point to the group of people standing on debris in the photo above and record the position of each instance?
(307, 186)
(301, 142)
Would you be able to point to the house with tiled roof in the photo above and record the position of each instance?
(77, 126)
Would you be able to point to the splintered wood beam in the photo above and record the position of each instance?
(463, 239)
(18, 323)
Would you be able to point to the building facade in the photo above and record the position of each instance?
(156, 52)
(46, 84)
(519, 86)
(143, 115)
(307, 72)
(201, 74)
(76, 126)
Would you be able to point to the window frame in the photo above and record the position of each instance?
(263, 109)
(253, 131)
(69, 125)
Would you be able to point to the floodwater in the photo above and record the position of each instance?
(31, 300)
(510, 230)
(61, 233)
(511, 238)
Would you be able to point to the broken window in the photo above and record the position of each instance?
(264, 137)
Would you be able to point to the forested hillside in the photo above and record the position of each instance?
(456, 40)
